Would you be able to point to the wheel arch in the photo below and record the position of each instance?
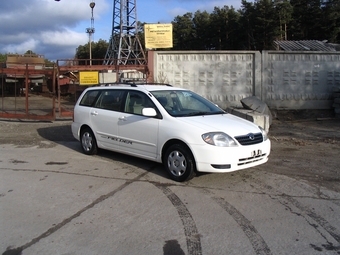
(83, 127)
(89, 143)
(176, 141)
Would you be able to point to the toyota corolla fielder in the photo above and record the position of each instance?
(173, 126)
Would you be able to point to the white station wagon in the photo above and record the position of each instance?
(173, 126)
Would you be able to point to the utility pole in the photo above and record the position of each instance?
(91, 30)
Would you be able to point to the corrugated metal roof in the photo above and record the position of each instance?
(303, 46)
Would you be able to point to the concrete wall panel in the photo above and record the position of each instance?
(300, 80)
(221, 76)
(284, 80)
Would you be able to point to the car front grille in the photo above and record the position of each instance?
(250, 139)
(244, 161)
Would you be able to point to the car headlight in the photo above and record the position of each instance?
(264, 134)
(219, 139)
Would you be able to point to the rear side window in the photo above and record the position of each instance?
(89, 98)
(110, 100)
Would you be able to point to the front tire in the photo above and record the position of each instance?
(179, 163)
(88, 142)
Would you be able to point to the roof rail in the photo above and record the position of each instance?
(158, 83)
(118, 83)
(132, 84)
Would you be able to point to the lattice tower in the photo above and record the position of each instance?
(124, 47)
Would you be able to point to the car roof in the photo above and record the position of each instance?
(133, 86)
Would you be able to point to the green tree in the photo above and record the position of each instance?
(98, 52)
(331, 20)
(266, 24)
(30, 52)
(3, 58)
(233, 29)
(99, 49)
(183, 32)
(284, 11)
(307, 20)
(141, 34)
(225, 26)
(201, 31)
(260, 24)
(247, 25)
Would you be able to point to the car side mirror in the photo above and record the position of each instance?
(149, 112)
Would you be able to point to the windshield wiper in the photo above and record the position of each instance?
(204, 113)
(199, 113)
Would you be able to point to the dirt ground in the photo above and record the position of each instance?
(305, 144)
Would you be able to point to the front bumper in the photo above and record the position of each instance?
(215, 159)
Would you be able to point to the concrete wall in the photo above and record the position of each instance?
(223, 77)
(284, 80)
(300, 80)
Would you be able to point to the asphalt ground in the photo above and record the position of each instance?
(56, 200)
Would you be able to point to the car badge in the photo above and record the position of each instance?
(251, 136)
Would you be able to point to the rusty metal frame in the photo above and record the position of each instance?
(54, 74)
(25, 71)
(72, 65)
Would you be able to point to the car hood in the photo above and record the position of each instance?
(227, 123)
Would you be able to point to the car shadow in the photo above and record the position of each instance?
(58, 134)
(62, 135)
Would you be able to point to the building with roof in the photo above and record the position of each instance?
(306, 45)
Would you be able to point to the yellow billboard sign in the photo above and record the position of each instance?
(88, 78)
(158, 36)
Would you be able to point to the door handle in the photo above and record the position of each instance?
(94, 113)
(122, 118)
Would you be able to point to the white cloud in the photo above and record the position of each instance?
(54, 29)
(30, 44)
(64, 38)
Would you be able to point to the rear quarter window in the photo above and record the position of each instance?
(110, 100)
(89, 98)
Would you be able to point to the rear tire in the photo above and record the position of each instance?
(88, 142)
(179, 163)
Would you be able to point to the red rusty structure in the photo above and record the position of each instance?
(31, 89)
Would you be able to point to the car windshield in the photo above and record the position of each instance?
(184, 103)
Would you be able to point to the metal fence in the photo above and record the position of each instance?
(38, 92)
(23, 95)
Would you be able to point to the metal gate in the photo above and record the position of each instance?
(40, 92)
(27, 93)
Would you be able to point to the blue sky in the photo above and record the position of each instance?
(55, 29)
